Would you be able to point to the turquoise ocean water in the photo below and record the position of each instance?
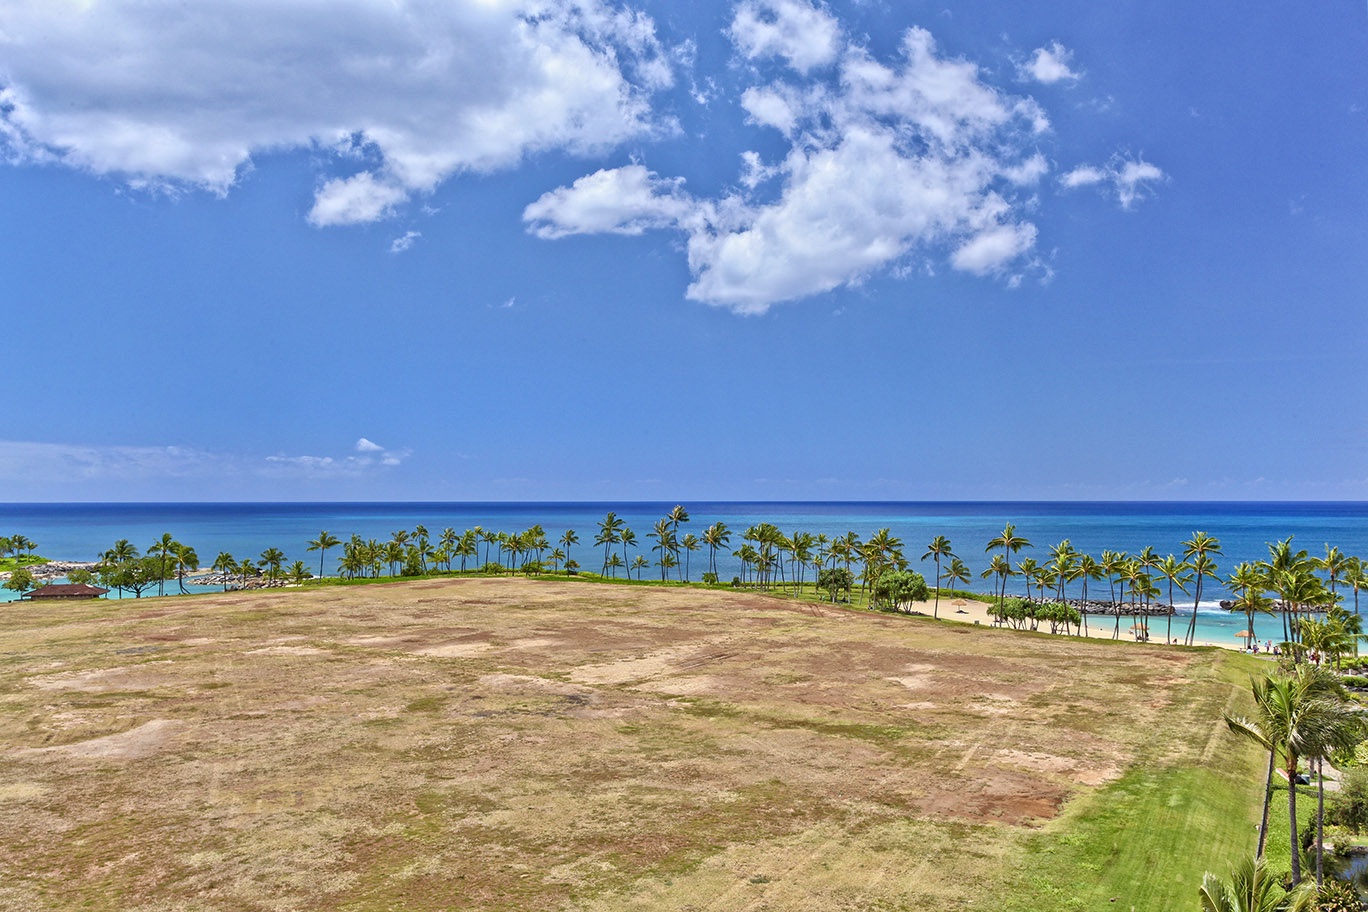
(83, 531)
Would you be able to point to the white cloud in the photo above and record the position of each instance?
(359, 198)
(1083, 176)
(404, 241)
(804, 35)
(993, 248)
(884, 160)
(1128, 179)
(367, 446)
(624, 200)
(1049, 65)
(164, 93)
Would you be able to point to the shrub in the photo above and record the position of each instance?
(710, 578)
(1337, 895)
(900, 587)
(1349, 806)
(835, 581)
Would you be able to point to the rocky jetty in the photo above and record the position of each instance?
(46, 573)
(1125, 609)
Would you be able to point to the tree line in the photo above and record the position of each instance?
(1307, 591)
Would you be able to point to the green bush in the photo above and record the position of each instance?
(1348, 807)
(710, 578)
(835, 581)
(901, 587)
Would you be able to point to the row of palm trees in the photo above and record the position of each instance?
(123, 567)
(770, 558)
(16, 545)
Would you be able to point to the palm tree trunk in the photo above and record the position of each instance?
(1320, 821)
(1268, 800)
(1292, 820)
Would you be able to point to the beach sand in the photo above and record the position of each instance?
(1100, 627)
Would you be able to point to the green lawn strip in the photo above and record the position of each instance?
(1278, 850)
(1145, 841)
(1142, 843)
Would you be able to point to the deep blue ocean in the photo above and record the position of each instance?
(83, 531)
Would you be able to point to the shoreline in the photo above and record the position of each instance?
(977, 613)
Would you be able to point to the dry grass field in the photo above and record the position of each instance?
(501, 744)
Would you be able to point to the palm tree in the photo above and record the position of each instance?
(185, 559)
(609, 534)
(1010, 543)
(245, 566)
(640, 563)
(1296, 716)
(1250, 586)
(958, 572)
(448, 546)
(468, 545)
(1199, 552)
(883, 551)
(226, 565)
(162, 549)
(1178, 574)
(689, 544)
(676, 516)
(938, 548)
(1027, 569)
(271, 559)
(1335, 563)
(298, 572)
(663, 534)
(324, 541)
(1355, 576)
(1087, 568)
(1062, 560)
(716, 536)
(392, 552)
(614, 561)
(1251, 888)
(1299, 590)
(569, 538)
(627, 538)
(1002, 568)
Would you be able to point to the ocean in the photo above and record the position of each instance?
(83, 531)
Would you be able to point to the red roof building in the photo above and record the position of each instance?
(66, 591)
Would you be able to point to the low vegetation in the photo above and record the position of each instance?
(511, 744)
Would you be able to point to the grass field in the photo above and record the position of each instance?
(505, 744)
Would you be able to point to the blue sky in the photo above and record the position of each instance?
(768, 249)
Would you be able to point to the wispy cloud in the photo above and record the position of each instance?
(1128, 179)
(404, 241)
(33, 463)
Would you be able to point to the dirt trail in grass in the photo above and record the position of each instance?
(500, 744)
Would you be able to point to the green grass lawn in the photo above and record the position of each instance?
(1145, 841)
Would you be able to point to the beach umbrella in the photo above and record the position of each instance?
(1244, 634)
(959, 603)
